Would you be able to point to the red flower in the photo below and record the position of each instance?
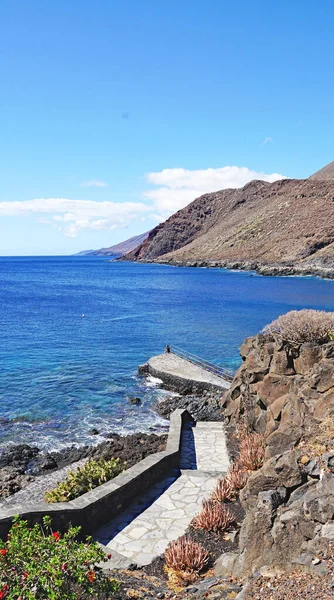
(6, 587)
(25, 575)
(109, 555)
(3, 552)
(64, 567)
(91, 576)
(56, 535)
(2, 595)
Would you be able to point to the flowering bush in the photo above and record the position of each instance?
(43, 564)
(213, 517)
(86, 478)
(186, 558)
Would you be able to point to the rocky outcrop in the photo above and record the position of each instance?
(287, 394)
(281, 392)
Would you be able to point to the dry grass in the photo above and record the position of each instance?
(213, 517)
(185, 559)
(252, 448)
(299, 326)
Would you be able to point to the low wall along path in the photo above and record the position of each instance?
(161, 515)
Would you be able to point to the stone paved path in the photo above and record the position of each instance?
(144, 530)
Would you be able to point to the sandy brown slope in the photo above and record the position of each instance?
(287, 221)
(326, 173)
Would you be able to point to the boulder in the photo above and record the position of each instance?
(273, 387)
(309, 355)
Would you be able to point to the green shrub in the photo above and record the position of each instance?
(299, 326)
(43, 564)
(86, 478)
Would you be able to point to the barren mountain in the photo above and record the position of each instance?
(121, 248)
(326, 173)
(287, 226)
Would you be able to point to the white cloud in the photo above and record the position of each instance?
(94, 183)
(73, 216)
(266, 141)
(177, 187)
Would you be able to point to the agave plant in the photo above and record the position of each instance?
(236, 478)
(251, 455)
(213, 517)
(186, 558)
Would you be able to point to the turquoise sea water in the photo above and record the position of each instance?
(62, 374)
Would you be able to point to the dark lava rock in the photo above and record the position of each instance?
(18, 456)
(19, 464)
(207, 407)
(93, 431)
(130, 448)
(14, 462)
(134, 400)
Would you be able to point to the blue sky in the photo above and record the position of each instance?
(115, 113)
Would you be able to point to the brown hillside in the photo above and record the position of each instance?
(326, 173)
(286, 221)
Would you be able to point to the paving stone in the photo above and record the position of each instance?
(163, 514)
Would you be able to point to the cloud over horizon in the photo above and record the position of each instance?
(174, 189)
(177, 187)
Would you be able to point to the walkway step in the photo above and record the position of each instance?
(142, 532)
(143, 537)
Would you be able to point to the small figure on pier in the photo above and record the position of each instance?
(167, 349)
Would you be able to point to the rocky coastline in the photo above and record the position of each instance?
(23, 465)
(317, 268)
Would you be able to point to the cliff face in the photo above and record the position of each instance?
(288, 222)
(288, 396)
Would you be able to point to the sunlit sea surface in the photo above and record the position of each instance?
(63, 373)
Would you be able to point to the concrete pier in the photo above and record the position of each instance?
(178, 373)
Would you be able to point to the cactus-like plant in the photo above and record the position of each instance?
(251, 455)
(186, 558)
(223, 491)
(86, 478)
(236, 478)
(213, 517)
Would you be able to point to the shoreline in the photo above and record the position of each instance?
(266, 269)
(24, 467)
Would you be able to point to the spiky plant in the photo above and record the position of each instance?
(186, 558)
(251, 456)
(223, 491)
(213, 517)
(236, 478)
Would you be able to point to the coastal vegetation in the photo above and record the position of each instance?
(86, 478)
(297, 327)
(37, 562)
(185, 559)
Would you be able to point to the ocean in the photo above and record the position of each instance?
(75, 329)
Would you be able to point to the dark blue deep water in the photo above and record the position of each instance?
(62, 374)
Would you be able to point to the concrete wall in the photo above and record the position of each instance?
(93, 509)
